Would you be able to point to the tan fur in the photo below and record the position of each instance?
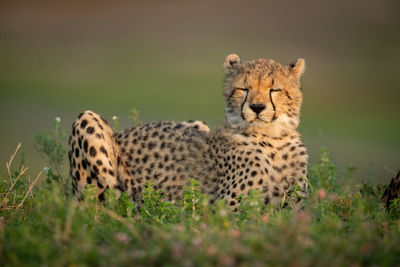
(257, 148)
(161, 152)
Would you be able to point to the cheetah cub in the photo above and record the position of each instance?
(258, 147)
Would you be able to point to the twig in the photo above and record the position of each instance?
(29, 181)
(11, 160)
(29, 190)
(8, 208)
(23, 170)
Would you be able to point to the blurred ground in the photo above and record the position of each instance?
(164, 58)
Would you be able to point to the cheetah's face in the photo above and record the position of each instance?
(262, 92)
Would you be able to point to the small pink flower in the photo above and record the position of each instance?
(366, 249)
(321, 193)
(122, 238)
(196, 241)
(235, 233)
(177, 250)
(226, 261)
(304, 217)
(265, 218)
(212, 250)
(136, 253)
(332, 197)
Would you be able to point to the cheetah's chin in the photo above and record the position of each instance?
(258, 122)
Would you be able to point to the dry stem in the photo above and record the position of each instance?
(8, 164)
(29, 190)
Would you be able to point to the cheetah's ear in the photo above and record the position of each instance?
(298, 68)
(231, 62)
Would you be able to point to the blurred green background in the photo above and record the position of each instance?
(164, 58)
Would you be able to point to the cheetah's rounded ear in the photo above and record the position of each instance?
(231, 62)
(298, 68)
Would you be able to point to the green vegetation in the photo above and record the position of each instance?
(341, 223)
(51, 146)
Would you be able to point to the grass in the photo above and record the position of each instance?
(342, 222)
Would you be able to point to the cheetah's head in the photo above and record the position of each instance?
(262, 93)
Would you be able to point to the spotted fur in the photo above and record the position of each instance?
(392, 191)
(258, 147)
(161, 152)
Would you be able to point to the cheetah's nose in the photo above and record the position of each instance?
(257, 108)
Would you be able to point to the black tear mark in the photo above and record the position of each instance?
(245, 99)
(272, 102)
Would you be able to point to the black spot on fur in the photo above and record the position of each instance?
(178, 126)
(84, 164)
(95, 170)
(83, 124)
(77, 175)
(152, 145)
(92, 151)
(85, 146)
(104, 151)
(101, 196)
(90, 130)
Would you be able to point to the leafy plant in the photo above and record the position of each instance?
(155, 209)
(193, 200)
(51, 146)
(134, 116)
